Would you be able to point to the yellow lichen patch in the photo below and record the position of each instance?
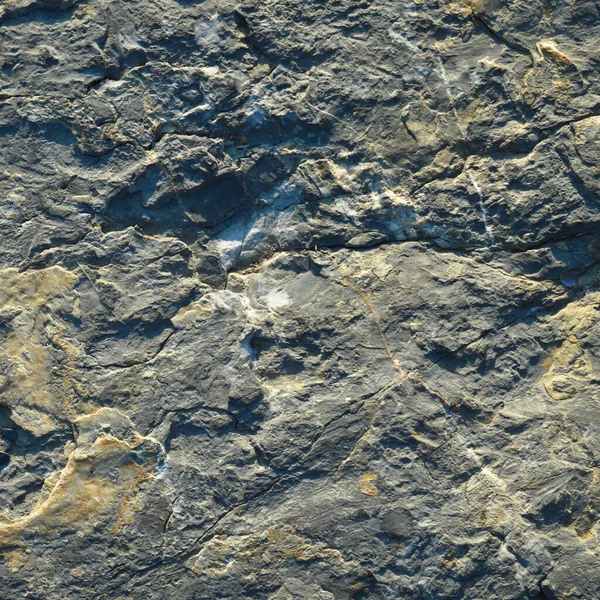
(553, 77)
(17, 558)
(274, 546)
(466, 8)
(129, 504)
(367, 485)
(570, 367)
(284, 385)
(99, 482)
(549, 51)
(459, 8)
(587, 532)
(37, 351)
(190, 316)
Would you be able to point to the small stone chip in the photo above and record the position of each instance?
(568, 279)
(367, 485)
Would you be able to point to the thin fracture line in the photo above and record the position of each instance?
(403, 374)
(463, 133)
(451, 98)
(488, 229)
(369, 304)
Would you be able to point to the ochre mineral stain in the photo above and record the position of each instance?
(99, 482)
(37, 347)
(570, 367)
(367, 484)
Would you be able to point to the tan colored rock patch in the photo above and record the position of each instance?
(245, 553)
(99, 483)
(367, 485)
(37, 353)
(570, 367)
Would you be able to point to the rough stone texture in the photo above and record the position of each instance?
(299, 299)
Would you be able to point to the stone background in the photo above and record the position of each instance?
(299, 299)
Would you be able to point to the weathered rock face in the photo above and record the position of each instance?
(299, 299)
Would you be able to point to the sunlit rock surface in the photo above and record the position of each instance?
(299, 299)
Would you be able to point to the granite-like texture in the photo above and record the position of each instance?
(299, 299)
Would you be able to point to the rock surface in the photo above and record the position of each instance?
(299, 299)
